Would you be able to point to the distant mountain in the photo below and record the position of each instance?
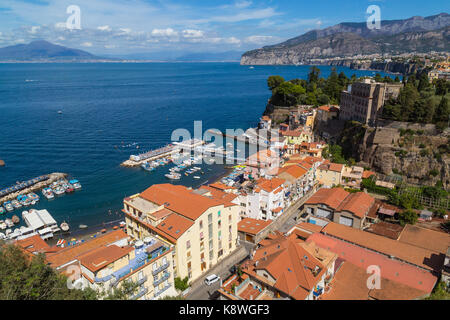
(349, 39)
(211, 56)
(44, 51)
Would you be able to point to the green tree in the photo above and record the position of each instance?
(274, 81)
(408, 217)
(314, 74)
(441, 87)
(440, 292)
(29, 278)
(287, 93)
(442, 112)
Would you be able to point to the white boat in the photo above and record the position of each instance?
(64, 226)
(9, 223)
(173, 176)
(196, 177)
(3, 225)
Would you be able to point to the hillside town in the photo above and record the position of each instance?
(292, 225)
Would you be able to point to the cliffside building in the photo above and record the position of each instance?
(364, 101)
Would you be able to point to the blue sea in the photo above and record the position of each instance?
(106, 107)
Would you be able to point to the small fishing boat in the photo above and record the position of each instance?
(3, 225)
(196, 177)
(103, 231)
(76, 184)
(70, 189)
(16, 204)
(83, 226)
(122, 224)
(64, 226)
(8, 206)
(60, 242)
(173, 176)
(15, 219)
(115, 227)
(2, 210)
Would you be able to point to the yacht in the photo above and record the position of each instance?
(173, 176)
(9, 223)
(48, 193)
(76, 184)
(16, 204)
(3, 225)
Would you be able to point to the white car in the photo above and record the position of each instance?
(211, 279)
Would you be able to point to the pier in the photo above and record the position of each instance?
(176, 147)
(32, 185)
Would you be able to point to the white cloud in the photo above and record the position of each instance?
(243, 4)
(232, 40)
(34, 29)
(169, 32)
(259, 39)
(104, 28)
(86, 44)
(60, 25)
(189, 33)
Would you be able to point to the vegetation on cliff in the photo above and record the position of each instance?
(313, 91)
(421, 102)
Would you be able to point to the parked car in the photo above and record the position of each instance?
(211, 279)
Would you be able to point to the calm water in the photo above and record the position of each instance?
(106, 104)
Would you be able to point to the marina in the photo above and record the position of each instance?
(54, 187)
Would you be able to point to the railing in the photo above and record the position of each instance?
(139, 294)
(161, 268)
(159, 292)
(141, 281)
(162, 279)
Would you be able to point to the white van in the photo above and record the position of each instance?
(211, 279)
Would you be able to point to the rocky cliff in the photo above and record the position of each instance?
(422, 156)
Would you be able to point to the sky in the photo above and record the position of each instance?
(142, 26)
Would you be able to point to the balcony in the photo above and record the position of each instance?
(162, 279)
(141, 293)
(159, 292)
(141, 281)
(161, 268)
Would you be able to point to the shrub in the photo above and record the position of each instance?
(421, 146)
(181, 284)
(433, 172)
(423, 152)
(408, 217)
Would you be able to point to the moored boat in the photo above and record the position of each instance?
(15, 219)
(64, 226)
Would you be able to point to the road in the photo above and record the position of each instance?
(200, 291)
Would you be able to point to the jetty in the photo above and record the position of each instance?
(32, 185)
(171, 149)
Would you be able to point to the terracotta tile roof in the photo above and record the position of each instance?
(221, 186)
(391, 290)
(252, 226)
(425, 238)
(391, 269)
(357, 203)
(367, 174)
(349, 283)
(33, 244)
(292, 133)
(330, 197)
(335, 167)
(160, 214)
(291, 265)
(313, 228)
(69, 254)
(101, 257)
(386, 229)
(221, 196)
(175, 225)
(265, 118)
(294, 171)
(180, 200)
(270, 185)
(398, 250)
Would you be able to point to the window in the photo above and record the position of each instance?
(218, 213)
(210, 218)
(164, 261)
(188, 255)
(188, 244)
(155, 266)
(229, 218)
(201, 236)
(201, 224)
(220, 235)
(219, 224)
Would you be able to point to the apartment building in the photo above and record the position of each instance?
(327, 113)
(265, 200)
(201, 224)
(330, 174)
(364, 101)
